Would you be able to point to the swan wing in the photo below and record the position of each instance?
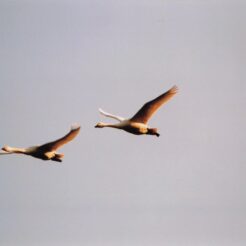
(149, 108)
(52, 146)
(120, 119)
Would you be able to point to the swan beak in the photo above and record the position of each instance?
(99, 125)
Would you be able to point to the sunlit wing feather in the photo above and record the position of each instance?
(111, 115)
(52, 146)
(149, 108)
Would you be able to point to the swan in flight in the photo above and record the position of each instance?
(46, 151)
(138, 123)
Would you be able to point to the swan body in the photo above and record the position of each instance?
(138, 123)
(46, 151)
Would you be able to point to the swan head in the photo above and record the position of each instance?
(100, 125)
(6, 148)
(153, 131)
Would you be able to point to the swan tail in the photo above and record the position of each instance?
(58, 157)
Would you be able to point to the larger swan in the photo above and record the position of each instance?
(138, 123)
(46, 151)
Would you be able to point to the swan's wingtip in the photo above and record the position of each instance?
(75, 126)
(101, 111)
(175, 89)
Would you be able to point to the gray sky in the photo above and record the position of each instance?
(62, 60)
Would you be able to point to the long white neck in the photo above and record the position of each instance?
(5, 153)
(120, 125)
(14, 150)
(109, 125)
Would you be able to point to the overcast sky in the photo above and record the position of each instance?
(62, 60)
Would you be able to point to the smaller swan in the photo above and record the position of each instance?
(46, 151)
(138, 123)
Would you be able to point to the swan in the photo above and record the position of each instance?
(138, 123)
(46, 151)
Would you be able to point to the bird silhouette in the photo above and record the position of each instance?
(46, 151)
(138, 123)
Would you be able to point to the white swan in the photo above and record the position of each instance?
(46, 151)
(138, 123)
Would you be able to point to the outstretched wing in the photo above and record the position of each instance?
(52, 146)
(149, 108)
(111, 115)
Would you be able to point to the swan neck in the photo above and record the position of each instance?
(15, 150)
(110, 125)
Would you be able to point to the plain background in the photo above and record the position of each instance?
(62, 60)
